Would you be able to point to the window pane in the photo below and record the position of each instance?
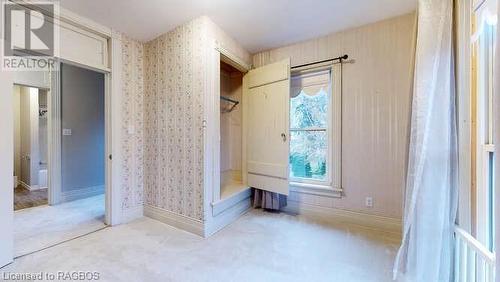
(308, 110)
(308, 150)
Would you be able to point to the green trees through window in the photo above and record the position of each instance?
(309, 136)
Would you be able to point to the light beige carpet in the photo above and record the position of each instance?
(43, 226)
(258, 247)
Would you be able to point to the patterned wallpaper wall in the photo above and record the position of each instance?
(164, 86)
(133, 119)
(173, 116)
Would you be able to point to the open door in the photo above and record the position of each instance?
(267, 95)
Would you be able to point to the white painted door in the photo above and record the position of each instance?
(6, 167)
(267, 96)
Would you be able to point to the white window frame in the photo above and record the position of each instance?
(484, 137)
(333, 181)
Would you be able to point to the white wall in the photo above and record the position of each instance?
(38, 79)
(29, 144)
(43, 130)
(25, 141)
(376, 111)
(17, 129)
(6, 167)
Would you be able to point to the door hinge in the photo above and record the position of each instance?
(110, 157)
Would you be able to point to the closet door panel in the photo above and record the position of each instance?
(267, 127)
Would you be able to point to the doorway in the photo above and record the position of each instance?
(30, 147)
(70, 156)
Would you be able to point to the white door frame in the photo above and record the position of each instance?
(55, 142)
(113, 147)
(54, 138)
(212, 129)
(113, 136)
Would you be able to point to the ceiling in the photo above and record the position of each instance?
(256, 24)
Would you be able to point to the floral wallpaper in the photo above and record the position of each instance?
(133, 122)
(164, 86)
(173, 118)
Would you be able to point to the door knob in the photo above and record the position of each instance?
(283, 135)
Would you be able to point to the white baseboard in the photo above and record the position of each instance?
(228, 216)
(29, 187)
(224, 204)
(82, 193)
(197, 227)
(231, 214)
(130, 214)
(387, 224)
(176, 220)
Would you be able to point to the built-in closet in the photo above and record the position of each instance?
(231, 130)
(250, 141)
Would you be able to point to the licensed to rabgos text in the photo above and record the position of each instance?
(51, 276)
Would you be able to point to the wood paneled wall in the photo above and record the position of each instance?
(376, 110)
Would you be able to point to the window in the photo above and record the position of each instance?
(485, 149)
(315, 128)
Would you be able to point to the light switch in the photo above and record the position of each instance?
(369, 202)
(67, 132)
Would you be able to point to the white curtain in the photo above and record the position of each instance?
(309, 83)
(496, 140)
(426, 253)
(487, 15)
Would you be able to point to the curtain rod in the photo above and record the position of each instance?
(324, 61)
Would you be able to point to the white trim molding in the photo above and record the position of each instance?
(226, 217)
(82, 193)
(376, 222)
(315, 189)
(464, 90)
(30, 187)
(176, 220)
(224, 204)
(332, 185)
(234, 60)
(114, 127)
(54, 136)
(197, 227)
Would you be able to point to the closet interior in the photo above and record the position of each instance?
(231, 131)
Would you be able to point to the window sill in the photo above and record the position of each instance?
(316, 189)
